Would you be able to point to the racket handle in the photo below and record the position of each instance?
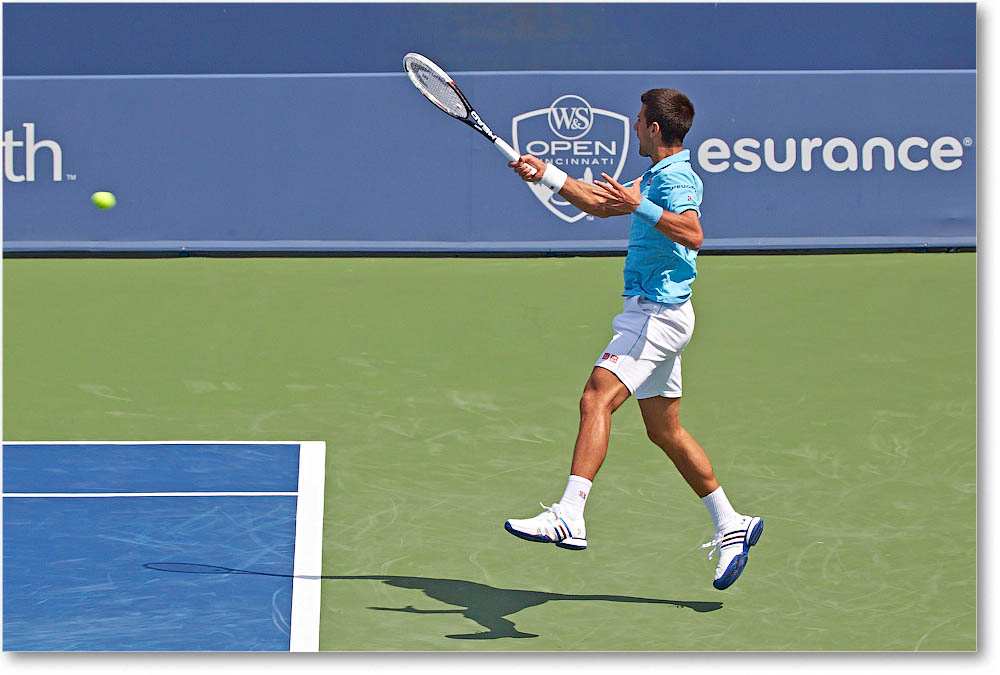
(508, 152)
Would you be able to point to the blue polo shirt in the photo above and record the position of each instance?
(657, 267)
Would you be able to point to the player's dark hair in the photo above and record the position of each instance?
(672, 110)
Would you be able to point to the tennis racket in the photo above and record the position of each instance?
(441, 90)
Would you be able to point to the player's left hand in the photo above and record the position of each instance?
(619, 199)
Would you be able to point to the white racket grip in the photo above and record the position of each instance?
(507, 151)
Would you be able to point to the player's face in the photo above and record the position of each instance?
(642, 132)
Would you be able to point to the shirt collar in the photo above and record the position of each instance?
(682, 156)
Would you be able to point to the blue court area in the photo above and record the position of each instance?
(83, 522)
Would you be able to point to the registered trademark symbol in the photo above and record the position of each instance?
(966, 141)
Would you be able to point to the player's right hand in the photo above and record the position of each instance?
(529, 168)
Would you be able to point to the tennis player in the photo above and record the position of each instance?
(644, 356)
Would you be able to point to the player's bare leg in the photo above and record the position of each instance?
(562, 523)
(663, 426)
(602, 395)
(735, 533)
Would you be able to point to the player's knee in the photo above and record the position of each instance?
(594, 402)
(589, 402)
(657, 436)
(670, 439)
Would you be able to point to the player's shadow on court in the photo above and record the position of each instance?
(486, 605)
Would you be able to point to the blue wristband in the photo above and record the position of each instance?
(648, 211)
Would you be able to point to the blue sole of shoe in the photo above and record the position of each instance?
(542, 539)
(735, 568)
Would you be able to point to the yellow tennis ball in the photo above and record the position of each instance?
(103, 200)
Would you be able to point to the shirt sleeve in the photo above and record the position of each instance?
(676, 193)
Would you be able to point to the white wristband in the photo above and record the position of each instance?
(553, 178)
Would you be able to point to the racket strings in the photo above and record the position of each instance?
(440, 92)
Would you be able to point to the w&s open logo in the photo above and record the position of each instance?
(581, 140)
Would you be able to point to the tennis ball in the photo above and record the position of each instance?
(103, 200)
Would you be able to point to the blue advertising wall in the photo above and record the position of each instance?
(237, 128)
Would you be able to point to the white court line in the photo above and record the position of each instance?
(150, 494)
(308, 565)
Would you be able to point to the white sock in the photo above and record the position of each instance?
(574, 499)
(722, 512)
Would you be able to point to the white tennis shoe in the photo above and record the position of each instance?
(733, 546)
(551, 526)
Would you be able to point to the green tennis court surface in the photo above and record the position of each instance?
(836, 396)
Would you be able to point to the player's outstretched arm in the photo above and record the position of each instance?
(583, 196)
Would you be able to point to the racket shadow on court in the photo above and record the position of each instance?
(486, 605)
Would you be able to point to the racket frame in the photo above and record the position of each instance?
(471, 118)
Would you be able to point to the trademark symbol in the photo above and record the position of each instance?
(966, 141)
(590, 217)
(71, 176)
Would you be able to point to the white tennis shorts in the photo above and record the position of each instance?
(645, 352)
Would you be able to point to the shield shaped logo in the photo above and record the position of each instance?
(581, 140)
